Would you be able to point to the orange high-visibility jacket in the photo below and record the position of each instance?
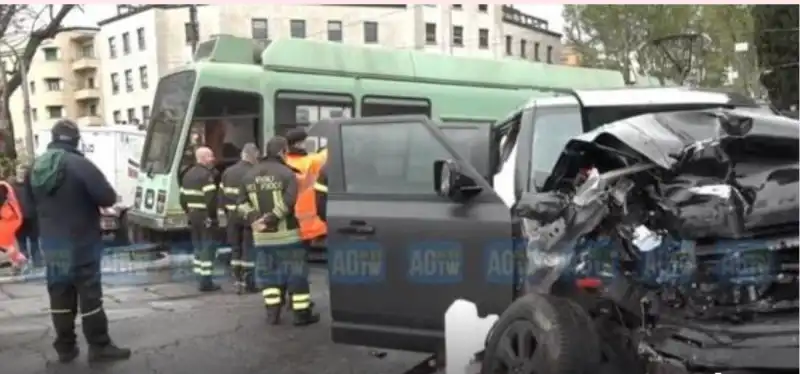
(10, 220)
(311, 226)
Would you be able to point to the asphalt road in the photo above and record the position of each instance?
(174, 330)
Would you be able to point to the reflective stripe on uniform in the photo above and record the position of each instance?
(301, 301)
(272, 296)
(203, 268)
(92, 312)
(236, 263)
(190, 192)
(276, 238)
(320, 187)
(230, 190)
(230, 206)
(196, 206)
(209, 187)
(60, 311)
(248, 264)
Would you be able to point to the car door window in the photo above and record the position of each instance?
(553, 128)
(390, 158)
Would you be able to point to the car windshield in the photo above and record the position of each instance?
(169, 111)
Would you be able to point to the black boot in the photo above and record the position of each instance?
(68, 356)
(305, 317)
(274, 315)
(249, 283)
(206, 285)
(109, 352)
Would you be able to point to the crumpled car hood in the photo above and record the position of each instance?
(660, 136)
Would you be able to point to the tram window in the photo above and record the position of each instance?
(373, 106)
(301, 109)
(224, 121)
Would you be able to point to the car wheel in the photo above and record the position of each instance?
(542, 334)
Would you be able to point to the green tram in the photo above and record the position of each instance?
(238, 90)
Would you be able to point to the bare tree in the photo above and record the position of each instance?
(23, 28)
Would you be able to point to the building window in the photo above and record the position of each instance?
(112, 47)
(87, 50)
(297, 28)
(536, 51)
(458, 36)
(430, 33)
(126, 43)
(370, 32)
(92, 109)
(53, 84)
(143, 77)
(34, 114)
(114, 83)
(523, 44)
(131, 115)
(549, 54)
(140, 38)
(509, 40)
(145, 114)
(33, 88)
(483, 38)
(90, 82)
(259, 28)
(55, 111)
(483, 8)
(457, 7)
(128, 80)
(335, 31)
(50, 53)
(117, 116)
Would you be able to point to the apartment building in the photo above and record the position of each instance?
(63, 82)
(142, 43)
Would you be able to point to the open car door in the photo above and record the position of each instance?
(399, 254)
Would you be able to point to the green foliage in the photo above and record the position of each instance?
(607, 36)
(8, 167)
(776, 39)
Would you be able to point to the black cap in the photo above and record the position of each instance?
(295, 136)
(66, 131)
(275, 146)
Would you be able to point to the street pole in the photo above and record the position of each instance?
(26, 99)
(195, 30)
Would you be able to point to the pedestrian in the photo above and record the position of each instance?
(11, 217)
(28, 233)
(239, 235)
(312, 228)
(267, 204)
(67, 192)
(199, 199)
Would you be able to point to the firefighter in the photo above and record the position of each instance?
(269, 192)
(199, 201)
(238, 234)
(311, 226)
(28, 234)
(67, 192)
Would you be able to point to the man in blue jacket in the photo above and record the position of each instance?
(67, 192)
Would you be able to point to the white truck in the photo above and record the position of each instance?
(116, 150)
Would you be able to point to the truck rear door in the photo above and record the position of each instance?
(399, 254)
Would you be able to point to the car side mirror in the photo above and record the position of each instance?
(451, 182)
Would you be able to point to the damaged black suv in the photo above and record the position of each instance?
(650, 230)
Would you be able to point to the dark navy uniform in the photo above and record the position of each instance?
(239, 235)
(267, 203)
(199, 201)
(66, 192)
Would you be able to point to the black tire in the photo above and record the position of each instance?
(122, 236)
(565, 340)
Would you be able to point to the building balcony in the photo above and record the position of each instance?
(90, 120)
(86, 93)
(85, 63)
(82, 36)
